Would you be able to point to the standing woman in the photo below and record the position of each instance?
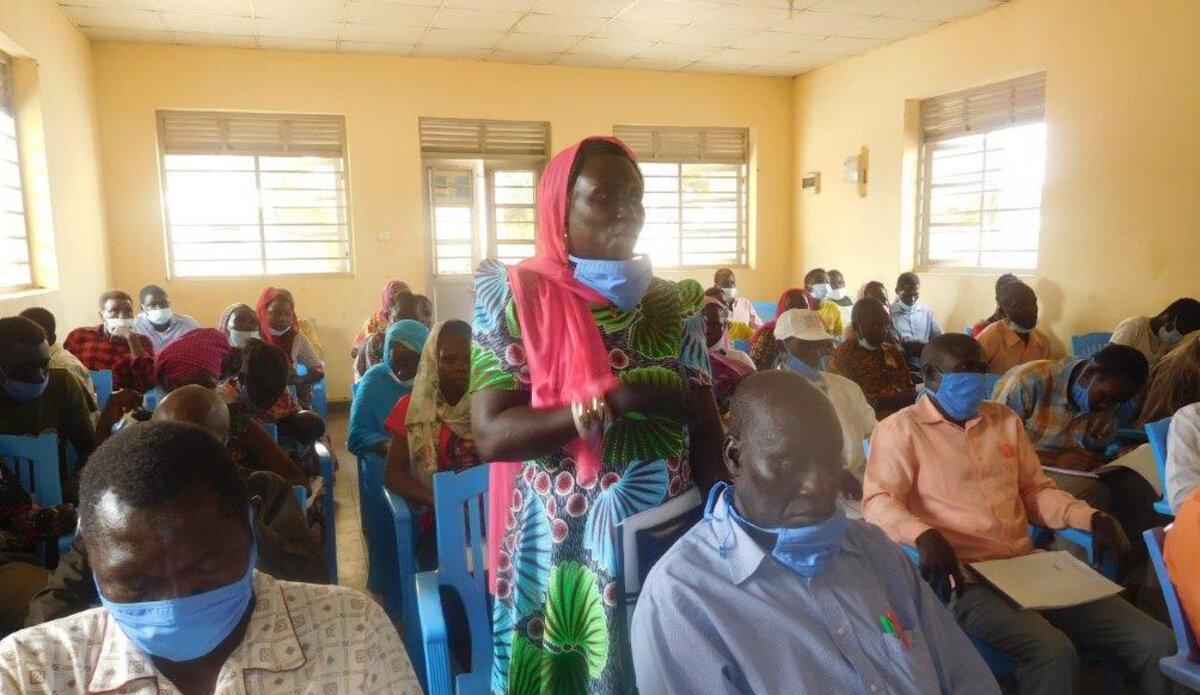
(277, 314)
(579, 376)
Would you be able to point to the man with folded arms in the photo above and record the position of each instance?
(958, 478)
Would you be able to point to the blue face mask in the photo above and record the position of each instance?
(623, 283)
(960, 394)
(1082, 395)
(794, 364)
(25, 391)
(805, 549)
(185, 629)
(1169, 337)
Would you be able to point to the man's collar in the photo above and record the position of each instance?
(929, 414)
(270, 644)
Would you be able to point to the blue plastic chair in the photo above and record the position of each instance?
(743, 345)
(271, 429)
(320, 402)
(403, 594)
(103, 381)
(765, 310)
(1183, 667)
(376, 523)
(1089, 344)
(34, 460)
(152, 398)
(460, 504)
(639, 549)
(301, 494)
(330, 536)
(1157, 432)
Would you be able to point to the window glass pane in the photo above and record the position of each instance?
(695, 214)
(16, 270)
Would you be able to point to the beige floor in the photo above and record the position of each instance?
(352, 551)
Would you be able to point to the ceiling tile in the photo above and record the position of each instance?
(798, 5)
(371, 47)
(823, 23)
(839, 45)
(450, 18)
(583, 8)
(609, 47)
(720, 68)
(733, 56)
(111, 4)
(288, 29)
(655, 64)
(526, 57)
(589, 61)
(719, 37)
(499, 5)
(131, 35)
(115, 18)
(553, 24)
(669, 11)
(625, 29)
(194, 22)
(666, 51)
(381, 34)
(869, 8)
(239, 8)
(390, 14)
(455, 52)
(890, 28)
(773, 71)
(553, 43)
(937, 10)
(757, 18)
(461, 38)
(228, 40)
(777, 41)
(297, 44)
(306, 10)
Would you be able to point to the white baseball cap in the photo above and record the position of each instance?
(804, 324)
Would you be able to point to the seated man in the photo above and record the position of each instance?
(1183, 560)
(817, 282)
(803, 336)
(113, 345)
(839, 295)
(1070, 408)
(874, 362)
(167, 525)
(157, 321)
(957, 478)
(1183, 455)
(997, 315)
(60, 358)
(287, 549)
(777, 592)
(915, 323)
(1014, 339)
(1154, 337)
(741, 309)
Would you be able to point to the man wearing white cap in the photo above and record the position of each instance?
(802, 333)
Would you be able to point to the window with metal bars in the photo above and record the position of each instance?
(254, 194)
(983, 159)
(696, 194)
(16, 267)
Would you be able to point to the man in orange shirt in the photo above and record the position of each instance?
(958, 478)
(1182, 555)
(1014, 339)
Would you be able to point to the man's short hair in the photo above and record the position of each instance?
(114, 294)
(150, 464)
(1185, 310)
(150, 289)
(1123, 362)
(18, 330)
(41, 317)
(908, 278)
(864, 304)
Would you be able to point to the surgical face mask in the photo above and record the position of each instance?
(406, 383)
(729, 292)
(1169, 337)
(1082, 395)
(623, 283)
(960, 394)
(867, 344)
(1018, 328)
(795, 364)
(278, 332)
(905, 306)
(24, 391)
(160, 317)
(185, 629)
(837, 294)
(240, 338)
(804, 549)
(819, 291)
(114, 325)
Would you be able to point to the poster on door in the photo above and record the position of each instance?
(451, 188)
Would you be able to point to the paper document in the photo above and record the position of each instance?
(1140, 460)
(1043, 581)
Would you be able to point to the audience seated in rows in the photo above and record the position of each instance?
(776, 591)
(168, 526)
(998, 314)
(741, 309)
(1155, 337)
(873, 361)
(957, 478)
(1014, 339)
(764, 349)
(113, 345)
(383, 385)
(729, 365)
(60, 358)
(157, 321)
(915, 323)
(818, 285)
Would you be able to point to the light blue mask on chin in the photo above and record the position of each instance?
(185, 629)
(794, 364)
(623, 283)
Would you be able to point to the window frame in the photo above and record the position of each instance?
(6, 102)
(169, 255)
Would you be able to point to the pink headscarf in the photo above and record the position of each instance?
(390, 287)
(563, 348)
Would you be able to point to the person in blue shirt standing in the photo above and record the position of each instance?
(776, 591)
(915, 323)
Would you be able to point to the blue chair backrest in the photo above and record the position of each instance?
(1089, 344)
(103, 381)
(1184, 637)
(301, 496)
(152, 398)
(320, 402)
(639, 548)
(330, 540)
(743, 345)
(34, 461)
(460, 506)
(765, 310)
(1157, 433)
(272, 429)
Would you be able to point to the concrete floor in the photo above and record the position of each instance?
(351, 546)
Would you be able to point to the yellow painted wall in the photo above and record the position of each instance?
(56, 111)
(1121, 206)
(382, 98)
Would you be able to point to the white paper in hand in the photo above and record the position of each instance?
(1043, 581)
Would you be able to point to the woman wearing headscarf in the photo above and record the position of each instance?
(764, 349)
(580, 378)
(383, 385)
(405, 305)
(729, 366)
(379, 321)
(277, 314)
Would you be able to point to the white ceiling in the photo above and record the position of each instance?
(756, 37)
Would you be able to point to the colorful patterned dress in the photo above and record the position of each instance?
(557, 625)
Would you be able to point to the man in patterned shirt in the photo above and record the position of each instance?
(167, 525)
(113, 345)
(873, 361)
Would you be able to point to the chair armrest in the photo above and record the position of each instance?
(1132, 434)
(433, 635)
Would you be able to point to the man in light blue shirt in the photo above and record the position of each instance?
(158, 321)
(776, 592)
(915, 322)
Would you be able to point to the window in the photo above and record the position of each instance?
(254, 194)
(696, 195)
(482, 181)
(983, 157)
(16, 268)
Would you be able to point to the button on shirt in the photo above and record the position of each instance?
(1040, 393)
(979, 485)
(178, 325)
(1005, 349)
(99, 351)
(745, 624)
(915, 323)
(302, 639)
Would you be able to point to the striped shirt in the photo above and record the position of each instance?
(1040, 392)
